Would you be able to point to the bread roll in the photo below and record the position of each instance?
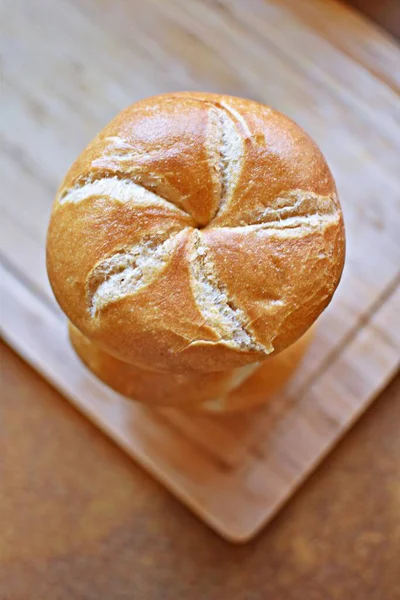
(197, 233)
(217, 392)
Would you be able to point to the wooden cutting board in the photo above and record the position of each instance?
(68, 68)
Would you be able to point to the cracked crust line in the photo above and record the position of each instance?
(227, 153)
(296, 203)
(217, 308)
(121, 189)
(289, 215)
(231, 160)
(290, 228)
(231, 148)
(231, 112)
(127, 272)
(236, 116)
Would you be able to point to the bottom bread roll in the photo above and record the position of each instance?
(219, 392)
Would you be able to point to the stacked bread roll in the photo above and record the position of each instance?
(196, 237)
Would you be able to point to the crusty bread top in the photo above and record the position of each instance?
(197, 232)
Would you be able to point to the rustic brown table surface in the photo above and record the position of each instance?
(79, 520)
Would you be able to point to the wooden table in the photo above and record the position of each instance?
(79, 520)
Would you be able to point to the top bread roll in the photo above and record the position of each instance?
(197, 232)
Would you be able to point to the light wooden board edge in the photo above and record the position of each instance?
(37, 333)
(25, 316)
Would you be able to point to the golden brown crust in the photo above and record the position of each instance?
(302, 273)
(150, 387)
(216, 392)
(196, 233)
